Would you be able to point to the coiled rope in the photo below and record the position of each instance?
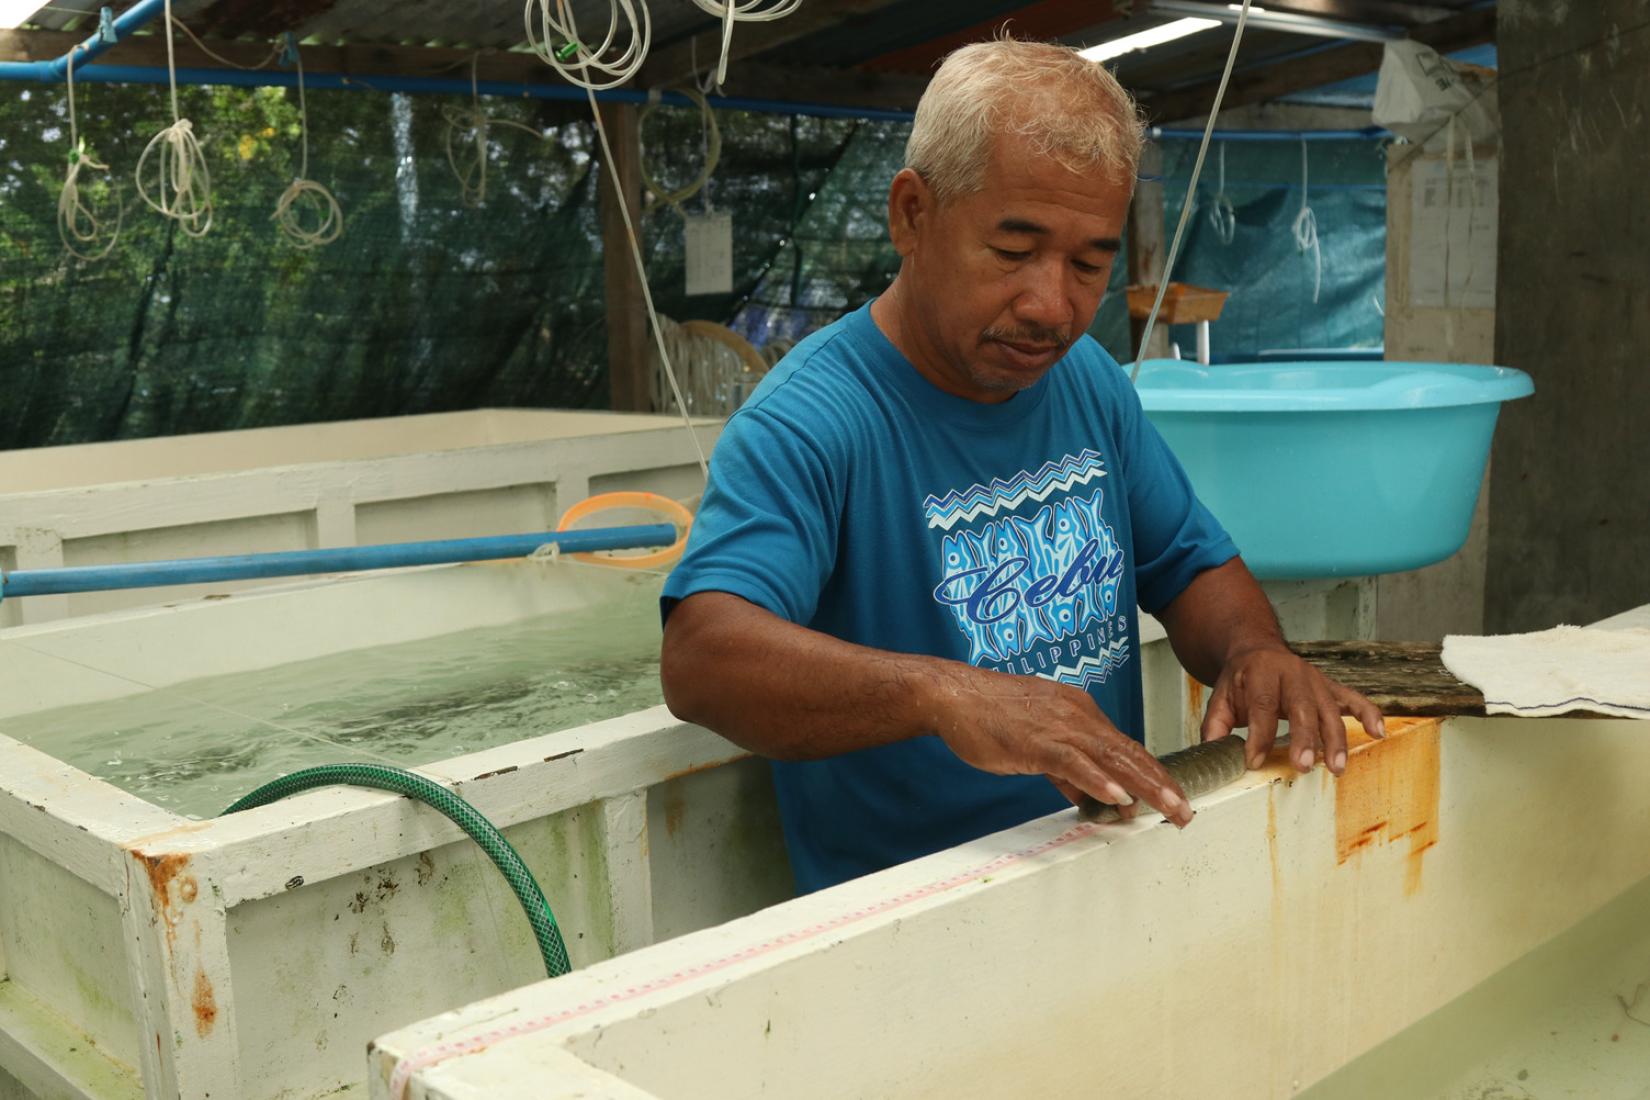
(304, 198)
(591, 67)
(77, 222)
(1222, 216)
(1305, 230)
(180, 186)
(742, 11)
(470, 128)
(712, 134)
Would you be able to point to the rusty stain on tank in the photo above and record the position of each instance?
(161, 871)
(675, 808)
(204, 1003)
(1194, 697)
(1390, 792)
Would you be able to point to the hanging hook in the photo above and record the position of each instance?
(1222, 217)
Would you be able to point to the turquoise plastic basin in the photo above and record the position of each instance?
(1322, 469)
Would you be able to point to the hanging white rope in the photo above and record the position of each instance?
(742, 11)
(647, 292)
(712, 139)
(1306, 231)
(1191, 190)
(180, 186)
(467, 139)
(553, 34)
(304, 200)
(1222, 217)
(77, 222)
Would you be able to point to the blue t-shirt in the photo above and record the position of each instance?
(853, 497)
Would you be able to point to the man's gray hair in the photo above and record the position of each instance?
(1070, 108)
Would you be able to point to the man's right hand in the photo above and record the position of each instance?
(1025, 725)
(791, 693)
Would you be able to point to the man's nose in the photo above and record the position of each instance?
(1043, 299)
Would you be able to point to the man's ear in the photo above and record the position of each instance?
(910, 201)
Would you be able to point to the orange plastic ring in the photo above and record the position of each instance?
(652, 502)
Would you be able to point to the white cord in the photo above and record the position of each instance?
(713, 153)
(471, 127)
(182, 185)
(1191, 190)
(1306, 231)
(77, 224)
(1222, 217)
(742, 11)
(641, 271)
(593, 69)
(305, 193)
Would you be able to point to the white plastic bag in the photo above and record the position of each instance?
(1430, 99)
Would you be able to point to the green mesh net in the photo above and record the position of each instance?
(429, 303)
(425, 304)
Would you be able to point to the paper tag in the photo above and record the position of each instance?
(709, 248)
(1452, 234)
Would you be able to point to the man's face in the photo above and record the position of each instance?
(1004, 279)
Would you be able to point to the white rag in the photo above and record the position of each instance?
(1554, 671)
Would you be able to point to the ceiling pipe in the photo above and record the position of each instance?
(431, 85)
(49, 72)
(1289, 22)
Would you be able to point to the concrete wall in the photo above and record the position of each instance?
(1447, 598)
(1570, 506)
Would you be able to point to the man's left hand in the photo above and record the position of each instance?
(1259, 686)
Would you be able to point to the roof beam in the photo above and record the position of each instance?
(1396, 12)
(677, 61)
(750, 80)
(823, 84)
(363, 60)
(1302, 74)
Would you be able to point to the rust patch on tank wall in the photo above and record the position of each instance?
(1194, 697)
(1390, 793)
(163, 871)
(204, 1004)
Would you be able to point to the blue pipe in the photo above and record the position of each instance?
(1368, 133)
(134, 17)
(431, 85)
(345, 559)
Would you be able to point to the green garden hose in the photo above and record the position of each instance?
(458, 811)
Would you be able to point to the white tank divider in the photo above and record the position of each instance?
(491, 471)
(1297, 923)
(253, 956)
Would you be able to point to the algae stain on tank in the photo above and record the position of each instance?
(196, 747)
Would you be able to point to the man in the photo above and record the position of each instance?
(913, 577)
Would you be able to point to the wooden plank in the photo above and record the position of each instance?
(355, 60)
(699, 53)
(627, 333)
(1406, 679)
(1302, 74)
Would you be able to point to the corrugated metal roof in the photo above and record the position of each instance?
(491, 24)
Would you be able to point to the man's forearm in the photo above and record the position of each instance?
(1222, 613)
(788, 692)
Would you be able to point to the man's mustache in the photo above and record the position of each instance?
(1033, 336)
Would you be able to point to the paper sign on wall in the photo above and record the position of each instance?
(1452, 234)
(709, 248)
